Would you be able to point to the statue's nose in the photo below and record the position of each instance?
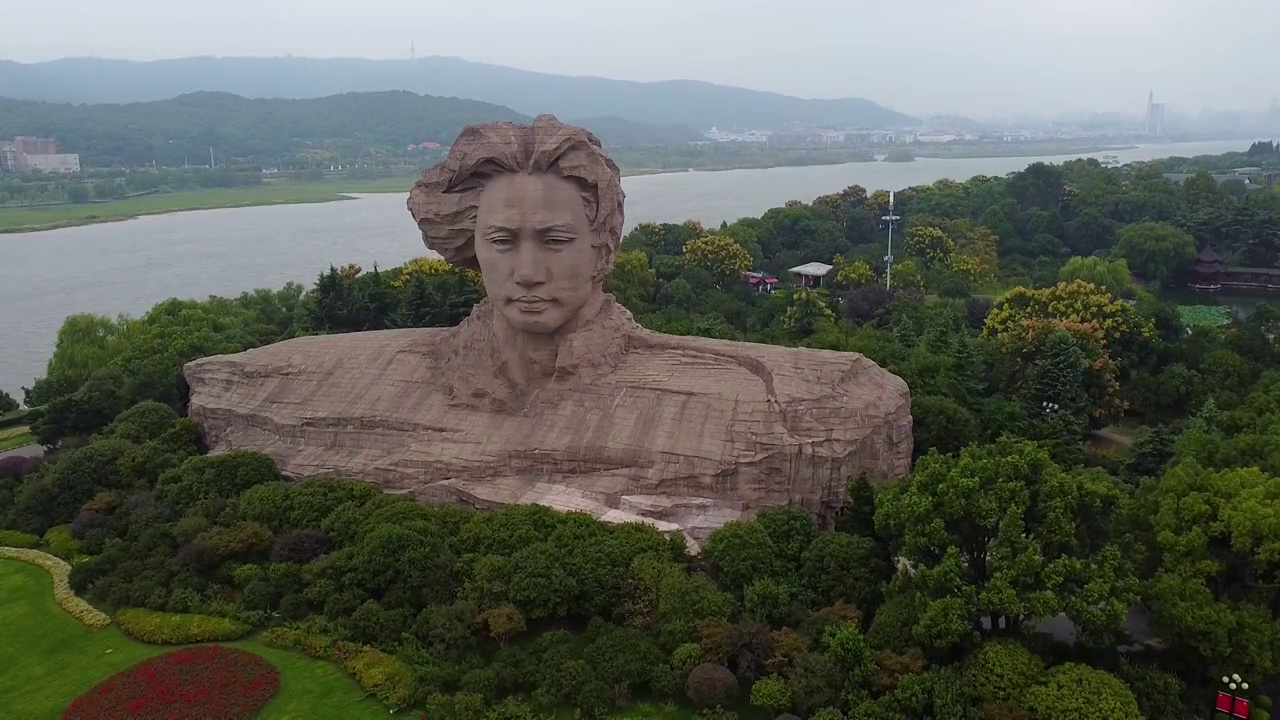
(530, 269)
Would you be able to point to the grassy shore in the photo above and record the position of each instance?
(17, 220)
(57, 216)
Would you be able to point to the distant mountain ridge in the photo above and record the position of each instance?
(696, 104)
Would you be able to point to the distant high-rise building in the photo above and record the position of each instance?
(27, 145)
(1155, 116)
(8, 156)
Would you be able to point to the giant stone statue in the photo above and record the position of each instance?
(550, 393)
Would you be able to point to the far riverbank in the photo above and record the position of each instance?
(53, 217)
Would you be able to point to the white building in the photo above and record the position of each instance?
(60, 163)
(760, 136)
(810, 274)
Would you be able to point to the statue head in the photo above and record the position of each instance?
(537, 209)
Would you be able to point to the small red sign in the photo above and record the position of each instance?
(1224, 702)
(1241, 710)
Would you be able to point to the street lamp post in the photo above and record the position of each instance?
(889, 220)
(1229, 704)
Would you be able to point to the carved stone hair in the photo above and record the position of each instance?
(444, 202)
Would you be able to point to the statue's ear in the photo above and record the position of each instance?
(606, 252)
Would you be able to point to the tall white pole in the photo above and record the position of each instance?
(888, 258)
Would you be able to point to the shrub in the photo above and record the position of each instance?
(1262, 702)
(827, 713)
(191, 683)
(686, 657)
(15, 539)
(1159, 693)
(66, 598)
(389, 679)
(143, 422)
(711, 685)
(771, 693)
(59, 542)
(1003, 669)
(312, 644)
(16, 466)
(1259, 714)
(1079, 692)
(716, 713)
(163, 628)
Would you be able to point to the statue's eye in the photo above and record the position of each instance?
(558, 240)
(502, 241)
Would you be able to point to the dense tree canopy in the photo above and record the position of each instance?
(1020, 333)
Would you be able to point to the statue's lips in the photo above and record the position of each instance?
(531, 304)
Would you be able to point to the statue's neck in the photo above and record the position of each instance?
(530, 357)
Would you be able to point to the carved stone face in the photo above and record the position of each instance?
(534, 246)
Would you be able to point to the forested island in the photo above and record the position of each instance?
(1088, 452)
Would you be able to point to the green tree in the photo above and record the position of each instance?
(791, 529)
(942, 424)
(1110, 275)
(1213, 535)
(1156, 251)
(622, 659)
(1001, 536)
(741, 552)
(850, 651)
(766, 600)
(632, 281)
(7, 403)
(79, 193)
(806, 313)
(839, 567)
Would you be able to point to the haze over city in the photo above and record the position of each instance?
(979, 58)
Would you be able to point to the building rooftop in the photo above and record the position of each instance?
(812, 269)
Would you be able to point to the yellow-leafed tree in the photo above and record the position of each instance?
(719, 255)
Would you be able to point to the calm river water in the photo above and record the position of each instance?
(127, 267)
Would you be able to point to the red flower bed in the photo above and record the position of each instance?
(209, 682)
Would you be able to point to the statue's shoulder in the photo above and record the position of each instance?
(323, 353)
(789, 372)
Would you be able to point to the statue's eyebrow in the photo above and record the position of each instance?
(558, 227)
(542, 229)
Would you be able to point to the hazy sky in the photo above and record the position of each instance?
(977, 57)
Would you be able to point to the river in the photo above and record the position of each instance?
(127, 267)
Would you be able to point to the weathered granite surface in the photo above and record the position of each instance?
(549, 392)
(680, 430)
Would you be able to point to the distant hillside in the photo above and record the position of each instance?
(698, 105)
(348, 125)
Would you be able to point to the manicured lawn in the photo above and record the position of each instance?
(49, 658)
(14, 437)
